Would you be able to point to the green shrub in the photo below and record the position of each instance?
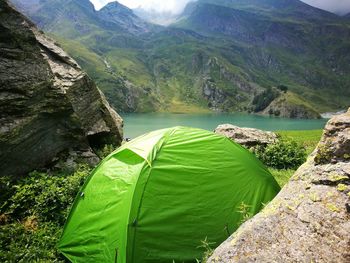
(33, 213)
(48, 197)
(20, 242)
(285, 154)
(106, 150)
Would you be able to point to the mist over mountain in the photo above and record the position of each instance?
(277, 57)
(156, 6)
(174, 7)
(340, 7)
(163, 18)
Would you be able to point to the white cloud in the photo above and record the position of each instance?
(174, 6)
(335, 6)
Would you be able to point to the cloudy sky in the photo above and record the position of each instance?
(176, 6)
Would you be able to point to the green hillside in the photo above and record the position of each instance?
(220, 55)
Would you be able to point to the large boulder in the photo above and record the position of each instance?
(48, 105)
(247, 137)
(309, 220)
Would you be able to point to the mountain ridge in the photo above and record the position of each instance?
(222, 63)
(117, 13)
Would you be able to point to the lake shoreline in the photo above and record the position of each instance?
(136, 124)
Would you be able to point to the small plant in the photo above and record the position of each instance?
(285, 154)
(44, 195)
(105, 151)
(208, 251)
(243, 209)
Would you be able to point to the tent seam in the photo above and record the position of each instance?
(165, 138)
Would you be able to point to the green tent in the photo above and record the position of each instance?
(158, 197)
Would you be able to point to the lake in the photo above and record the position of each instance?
(136, 124)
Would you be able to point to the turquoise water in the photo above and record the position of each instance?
(136, 124)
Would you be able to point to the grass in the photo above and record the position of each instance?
(180, 107)
(309, 139)
(282, 176)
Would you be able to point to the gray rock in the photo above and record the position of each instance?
(48, 105)
(247, 137)
(308, 221)
(335, 144)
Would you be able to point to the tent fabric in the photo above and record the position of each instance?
(156, 198)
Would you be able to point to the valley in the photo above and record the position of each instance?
(222, 56)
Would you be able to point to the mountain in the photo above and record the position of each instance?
(50, 109)
(240, 18)
(274, 8)
(124, 17)
(67, 17)
(279, 42)
(75, 18)
(284, 57)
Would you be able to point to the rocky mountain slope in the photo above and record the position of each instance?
(117, 14)
(48, 106)
(309, 220)
(220, 55)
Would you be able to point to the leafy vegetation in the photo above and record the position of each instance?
(29, 242)
(104, 151)
(33, 213)
(208, 250)
(307, 139)
(244, 211)
(285, 154)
